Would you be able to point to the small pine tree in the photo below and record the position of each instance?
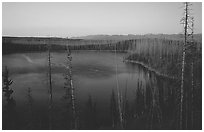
(9, 113)
(7, 82)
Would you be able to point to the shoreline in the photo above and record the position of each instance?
(149, 68)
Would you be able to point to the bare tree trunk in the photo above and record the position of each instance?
(29, 119)
(113, 107)
(50, 88)
(124, 107)
(192, 75)
(69, 68)
(183, 65)
(192, 96)
(118, 93)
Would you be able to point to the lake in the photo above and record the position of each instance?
(94, 76)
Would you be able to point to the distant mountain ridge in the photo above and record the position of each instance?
(197, 37)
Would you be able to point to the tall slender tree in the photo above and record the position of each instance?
(118, 92)
(113, 110)
(72, 88)
(50, 86)
(187, 27)
(192, 74)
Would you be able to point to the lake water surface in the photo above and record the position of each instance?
(94, 75)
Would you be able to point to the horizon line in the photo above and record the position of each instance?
(50, 36)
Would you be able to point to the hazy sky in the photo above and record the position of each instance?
(77, 19)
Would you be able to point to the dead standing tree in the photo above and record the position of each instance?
(50, 86)
(71, 88)
(190, 60)
(119, 97)
(192, 74)
(113, 110)
(187, 27)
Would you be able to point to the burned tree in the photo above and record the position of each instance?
(50, 86)
(70, 89)
(193, 49)
(113, 110)
(188, 57)
(185, 22)
(119, 95)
